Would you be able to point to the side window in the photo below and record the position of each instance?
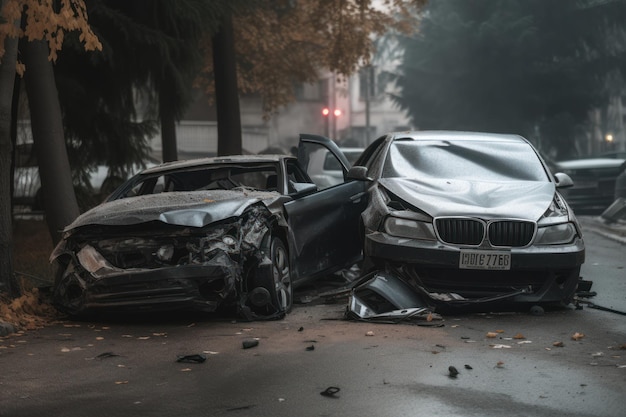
(322, 166)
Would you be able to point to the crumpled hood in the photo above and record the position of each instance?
(195, 209)
(441, 197)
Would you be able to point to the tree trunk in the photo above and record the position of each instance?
(59, 200)
(168, 127)
(226, 90)
(8, 283)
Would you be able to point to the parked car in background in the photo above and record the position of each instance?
(594, 183)
(27, 187)
(469, 217)
(224, 232)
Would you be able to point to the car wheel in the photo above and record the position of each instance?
(275, 280)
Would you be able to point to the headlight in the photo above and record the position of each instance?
(557, 234)
(411, 229)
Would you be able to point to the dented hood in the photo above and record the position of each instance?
(194, 208)
(452, 197)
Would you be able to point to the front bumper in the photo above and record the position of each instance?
(196, 287)
(547, 273)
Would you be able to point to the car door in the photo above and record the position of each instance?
(325, 224)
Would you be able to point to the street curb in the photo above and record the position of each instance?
(615, 232)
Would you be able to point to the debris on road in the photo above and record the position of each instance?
(453, 372)
(386, 298)
(250, 343)
(195, 358)
(331, 392)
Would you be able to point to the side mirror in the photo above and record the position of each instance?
(358, 173)
(563, 180)
(302, 187)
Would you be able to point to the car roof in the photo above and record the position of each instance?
(457, 136)
(216, 160)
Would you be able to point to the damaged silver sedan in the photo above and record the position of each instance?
(469, 217)
(238, 232)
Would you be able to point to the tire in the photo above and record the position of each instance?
(276, 280)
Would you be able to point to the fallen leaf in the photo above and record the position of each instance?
(121, 382)
(499, 331)
(558, 344)
(500, 364)
(99, 338)
(186, 370)
(492, 335)
(370, 333)
(577, 336)
(519, 336)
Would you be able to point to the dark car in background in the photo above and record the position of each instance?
(468, 216)
(594, 183)
(234, 231)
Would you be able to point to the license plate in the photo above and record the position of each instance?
(481, 259)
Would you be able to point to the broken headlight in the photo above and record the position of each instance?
(557, 234)
(409, 225)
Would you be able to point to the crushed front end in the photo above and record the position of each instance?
(157, 266)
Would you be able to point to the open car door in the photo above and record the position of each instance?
(325, 223)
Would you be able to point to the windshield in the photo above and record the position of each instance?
(477, 161)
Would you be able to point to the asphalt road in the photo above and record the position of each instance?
(129, 367)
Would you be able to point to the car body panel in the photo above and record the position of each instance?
(441, 197)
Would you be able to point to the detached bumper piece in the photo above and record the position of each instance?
(385, 298)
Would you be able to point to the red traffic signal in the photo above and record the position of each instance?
(326, 112)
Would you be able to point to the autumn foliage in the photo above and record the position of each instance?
(46, 20)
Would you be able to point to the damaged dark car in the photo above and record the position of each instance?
(225, 232)
(469, 217)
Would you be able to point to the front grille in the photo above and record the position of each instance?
(511, 233)
(468, 231)
(459, 231)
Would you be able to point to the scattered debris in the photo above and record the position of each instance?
(453, 372)
(468, 367)
(195, 358)
(330, 392)
(106, 355)
(250, 343)
(499, 346)
(384, 297)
